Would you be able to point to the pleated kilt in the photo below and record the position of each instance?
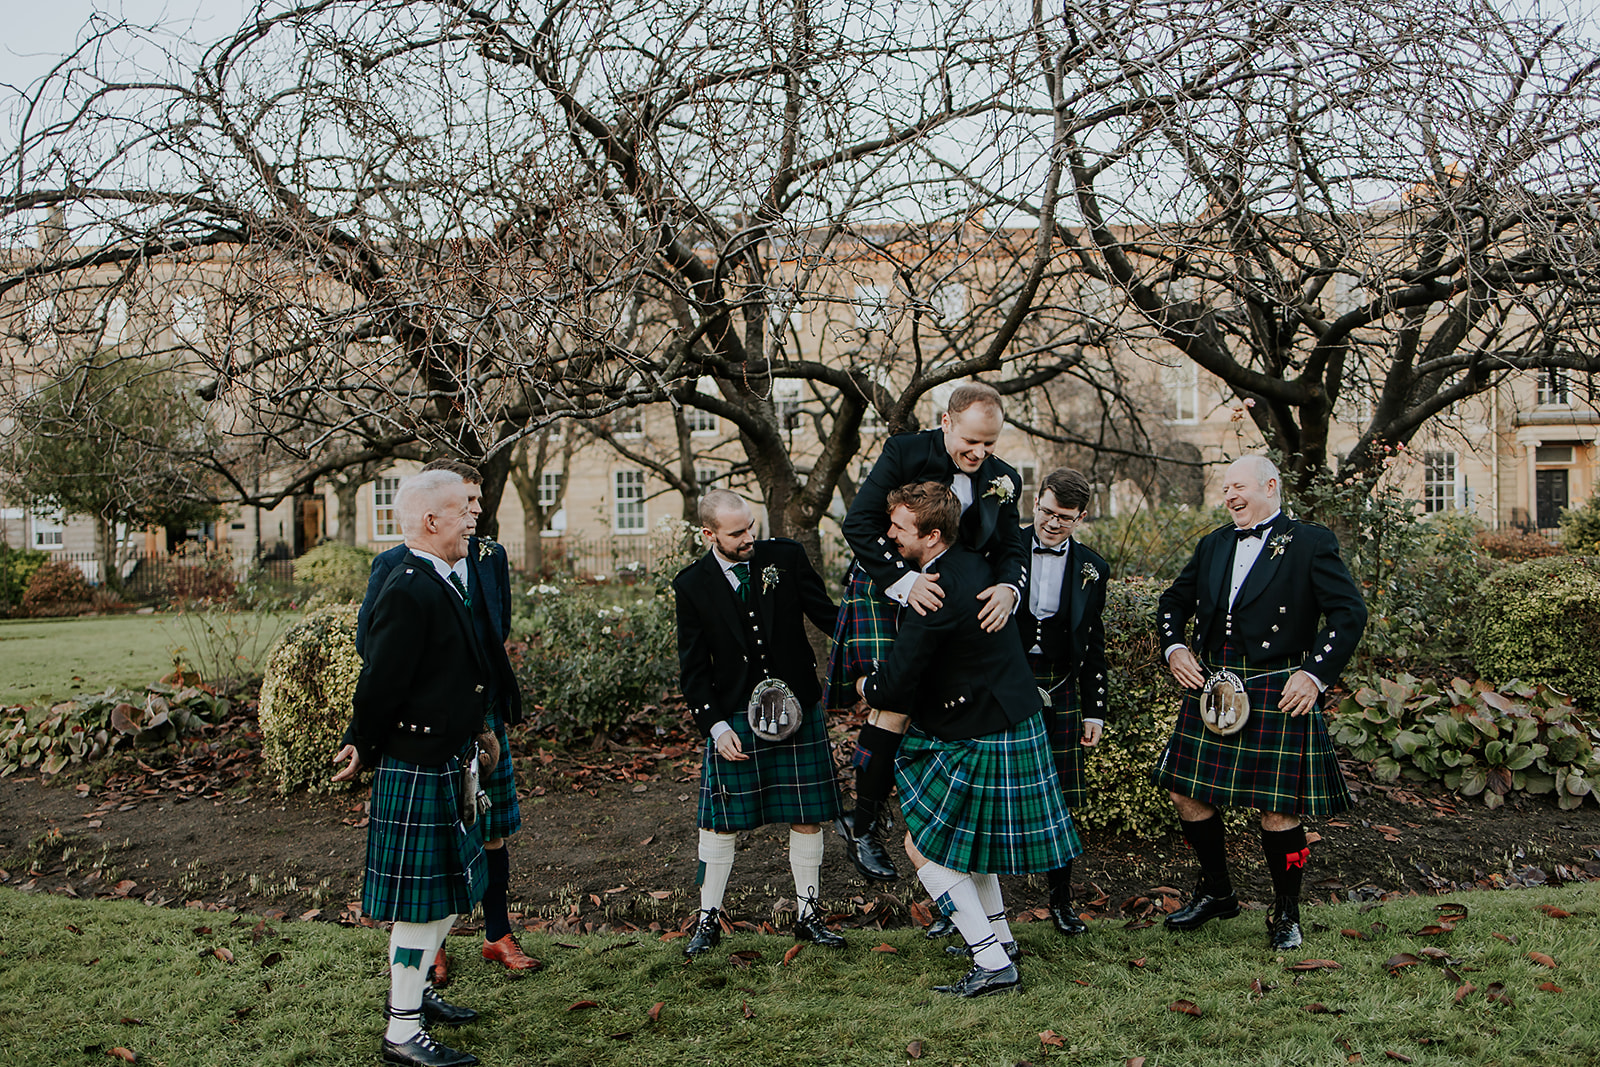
(1277, 763)
(422, 864)
(990, 805)
(504, 817)
(867, 623)
(788, 781)
(1064, 725)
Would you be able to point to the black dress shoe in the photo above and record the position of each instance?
(942, 926)
(707, 934)
(979, 982)
(1065, 918)
(1201, 910)
(1013, 951)
(424, 1051)
(1283, 925)
(809, 928)
(436, 1009)
(864, 848)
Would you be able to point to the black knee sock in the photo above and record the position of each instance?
(1286, 854)
(496, 921)
(1060, 884)
(875, 750)
(1206, 837)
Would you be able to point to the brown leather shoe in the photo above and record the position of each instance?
(507, 951)
(441, 970)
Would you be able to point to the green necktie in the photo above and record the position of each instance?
(741, 571)
(455, 580)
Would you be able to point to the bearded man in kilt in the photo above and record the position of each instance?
(741, 621)
(488, 582)
(958, 453)
(1276, 611)
(418, 706)
(977, 785)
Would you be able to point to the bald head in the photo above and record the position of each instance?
(436, 514)
(1251, 490)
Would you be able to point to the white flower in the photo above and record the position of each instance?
(1279, 543)
(486, 547)
(1002, 488)
(605, 629)
(1090, 574)
(769, 576)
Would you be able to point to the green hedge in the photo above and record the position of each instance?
(16, 571)
(336, 571)
(1539, 621)
(305, 698)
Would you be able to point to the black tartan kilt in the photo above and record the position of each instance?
(1277, 763)
(867, 623)
(1064, 723)
(422, 864)
(788, 781)
(989, 804)
(504, 817)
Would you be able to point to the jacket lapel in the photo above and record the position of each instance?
(723, 602)
(1266, 564)
(1215, 566)
(759, 595)
(458, 606)
(1072, 586)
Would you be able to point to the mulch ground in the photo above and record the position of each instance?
(608, 843)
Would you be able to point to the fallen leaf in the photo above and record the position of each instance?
(660, 894)
(1496, 994)
(594, 898)
(579, 1005)
(1463, 991)
(1450, 911)
(790, 953)
(1510, 939)
(1554, 912)
(1542, 960)
(1053, 1039)
(1261, 988)
(1357, 934)
(123, 1054)
(1396, 1056)
(1549, 987)
(655, 1010)
(1138, 924)
(1320, 1009)
(1382, 829)
(222, 954)
(1185, 1007)
(920, 914)
(744, 1007)
(272, 959)
(914, 1050)
(201, 931)
(1317, 965)
(621, 1036)
(1435, 929)
(1133, 1061)
(1138, 962)
(885, 947)
(744, 958)
(1404, 959)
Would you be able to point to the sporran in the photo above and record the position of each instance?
(474, 800)
(1224, 705)
(774, 713)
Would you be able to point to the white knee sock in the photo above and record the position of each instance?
(412, 947)
(716, 863)
(959, 893)
(805, 863)
(994, 905)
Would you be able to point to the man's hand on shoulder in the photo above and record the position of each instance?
(926, 594)
(1002, 601)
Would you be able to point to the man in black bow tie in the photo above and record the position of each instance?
(1257, 590)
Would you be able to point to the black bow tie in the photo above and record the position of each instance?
(1254, 531)
(1046, 550)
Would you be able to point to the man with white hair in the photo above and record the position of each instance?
(1277, 616)
(418, 707)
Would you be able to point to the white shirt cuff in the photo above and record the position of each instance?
(1166, 653)
(1016, 594)
(1098, 722)
(719, 729)
(1322, 687)
(900, 591)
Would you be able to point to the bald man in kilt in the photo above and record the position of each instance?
(1277, 614)
(741, 621)
(977, 785)
(958, 453)
(418, 706)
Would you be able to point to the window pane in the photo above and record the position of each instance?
(385, 523)
(630, 502)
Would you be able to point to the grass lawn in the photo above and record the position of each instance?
(43, 661)
(79, 978)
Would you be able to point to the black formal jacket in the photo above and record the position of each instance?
(726, 646)
(424, 680)
(1073, 640)
(1296, 582)
(991, 525)
(489, 581)
(955, 680)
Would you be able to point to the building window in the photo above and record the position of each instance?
(1030, 489)
(47, 534)
(549, 488)
(630, 502)
(189, 316)
(628, 423)
(701, 422)
(705, 479)
(1183, 392)
(385, 523)
(869, 306)
(786, 400)
(1554, 387)
(1439, 481)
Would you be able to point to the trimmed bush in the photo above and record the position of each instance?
(1151, 543)
(1580, 528)
(1540, 622)
(336, 571)
(305, 698)
(17, 567)
(1516, 545)
(57, 588)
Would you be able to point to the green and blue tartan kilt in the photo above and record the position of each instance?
(422, 864)
(788, 781)
(1064, 725)
(1277, 763)
(990, 805)
(504, 816)
(868, 621)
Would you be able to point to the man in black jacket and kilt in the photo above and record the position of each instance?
(1277, 616)
(958, 453)
(418, 706)
(977, 785)
(741, 622)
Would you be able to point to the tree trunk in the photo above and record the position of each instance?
(345, 491)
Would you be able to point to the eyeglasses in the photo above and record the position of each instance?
(1056, 518)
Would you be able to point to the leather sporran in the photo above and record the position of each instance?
(1224, 705)
(488, 751)
(774, 712)
(474, 801)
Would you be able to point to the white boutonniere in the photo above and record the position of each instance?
(769, 577)
(1279, 543)
(1001, 489)
(1090, 574)
(486, 547)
